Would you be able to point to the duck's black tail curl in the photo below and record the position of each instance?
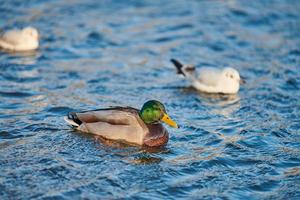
(178, 66)
(73, 120)
(74, 117)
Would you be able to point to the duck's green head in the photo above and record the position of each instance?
(153, 112)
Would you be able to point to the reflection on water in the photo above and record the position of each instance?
(219, 104)
(107, 53)
(20, 58)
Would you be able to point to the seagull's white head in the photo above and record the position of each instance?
(231, 80)
(231, 75)
(31, 32)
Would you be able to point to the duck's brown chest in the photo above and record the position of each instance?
(157, 135)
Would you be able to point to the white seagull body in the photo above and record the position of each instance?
(211, 80)
(20, 40)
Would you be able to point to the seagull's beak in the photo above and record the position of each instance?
(242, 80)
(169, 121)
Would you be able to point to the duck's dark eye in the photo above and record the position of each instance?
(231, 76)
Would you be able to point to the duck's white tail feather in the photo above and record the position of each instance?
(71, 122)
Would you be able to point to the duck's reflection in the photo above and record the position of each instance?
(133, 154)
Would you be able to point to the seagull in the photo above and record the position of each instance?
(211, 80)
(20, 40)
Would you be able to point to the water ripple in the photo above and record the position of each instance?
(98, 54)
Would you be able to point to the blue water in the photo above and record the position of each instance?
(100, 53)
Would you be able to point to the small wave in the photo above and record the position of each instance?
(16, 94)
(60, 110)
(239, 12)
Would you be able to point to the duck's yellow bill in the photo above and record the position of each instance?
(169, 121)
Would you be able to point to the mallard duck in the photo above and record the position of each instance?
(141, 127)
(211, 80)
(20, 40)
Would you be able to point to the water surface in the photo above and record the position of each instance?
(97, 54)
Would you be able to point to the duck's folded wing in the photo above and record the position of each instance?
(116, 116)
(209, 76)
(130, 133)
(115, 123)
